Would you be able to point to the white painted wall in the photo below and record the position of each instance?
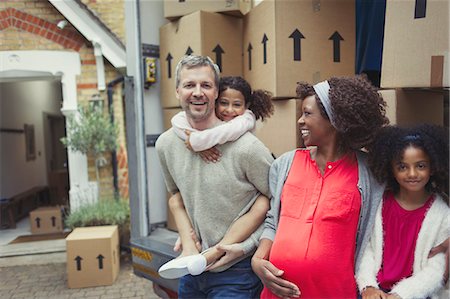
(24, 103)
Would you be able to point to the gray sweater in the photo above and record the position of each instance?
(371, 194)
(216, 194)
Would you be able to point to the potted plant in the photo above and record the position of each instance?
(104, 212)
(91, 132)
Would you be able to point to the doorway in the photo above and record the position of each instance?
(57, 171)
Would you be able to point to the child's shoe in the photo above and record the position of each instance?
(176, 268)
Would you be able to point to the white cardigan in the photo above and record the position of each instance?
(427, 278)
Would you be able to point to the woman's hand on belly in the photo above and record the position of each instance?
(271, 278)
(271, 275)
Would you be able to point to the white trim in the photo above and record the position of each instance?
(91, 30)
(101, 85)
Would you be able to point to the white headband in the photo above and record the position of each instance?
(322, 89)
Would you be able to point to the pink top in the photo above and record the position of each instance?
(316, 235)
(400, 230)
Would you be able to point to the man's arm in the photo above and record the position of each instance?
(162, 151)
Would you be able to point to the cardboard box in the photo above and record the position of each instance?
(46, 220)
(201, 33)
(168, 113)
(176, 8)
(280, 133)
(93, 256)
(416, 44)
(288, 41)
(410, 107)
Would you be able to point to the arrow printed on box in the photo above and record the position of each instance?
(100, 261)
(336, 38)
(420, 9)
(297, 37)
(189, 51)
(78, 262)
(169, 65)
(53, 221)
(219, 51)
(249, 50)
(264, 42)
(38, 222)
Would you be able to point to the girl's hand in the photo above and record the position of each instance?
(179, 247)
(271, 278)
(187, 142)
(228, 254)
(374, 293)
(210, 155)
(442, 248)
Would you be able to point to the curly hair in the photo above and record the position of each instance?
(258, 101)
(358, 109)
(391, 143)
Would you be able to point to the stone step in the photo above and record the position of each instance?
(39, 252)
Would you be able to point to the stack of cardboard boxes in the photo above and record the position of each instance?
(272, 45)
(277, 43)
(415, 67)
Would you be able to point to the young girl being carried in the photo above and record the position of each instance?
(239, 107)
(413, 216)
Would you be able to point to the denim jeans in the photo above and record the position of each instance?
(239, 281)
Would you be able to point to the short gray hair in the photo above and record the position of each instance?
(192, 61)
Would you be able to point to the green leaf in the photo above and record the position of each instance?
(91, 132)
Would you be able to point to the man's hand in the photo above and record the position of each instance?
(441, 248)
(271, 278)
(229, 253)
(374, 293)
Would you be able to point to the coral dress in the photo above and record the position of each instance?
(315, 240)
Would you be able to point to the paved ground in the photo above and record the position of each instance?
(49, 281)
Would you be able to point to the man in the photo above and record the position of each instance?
(214, 194)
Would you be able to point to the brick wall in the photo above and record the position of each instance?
(31, 25)
(112, 14)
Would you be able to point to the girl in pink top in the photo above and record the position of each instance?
(239, 107)
(413, 217)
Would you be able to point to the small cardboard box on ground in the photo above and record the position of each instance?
(201, 33)
(416, 44)
(280, 132)
(176, 8)
(93, 256)
(46, 220)
(411, 107)
(289, 41)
